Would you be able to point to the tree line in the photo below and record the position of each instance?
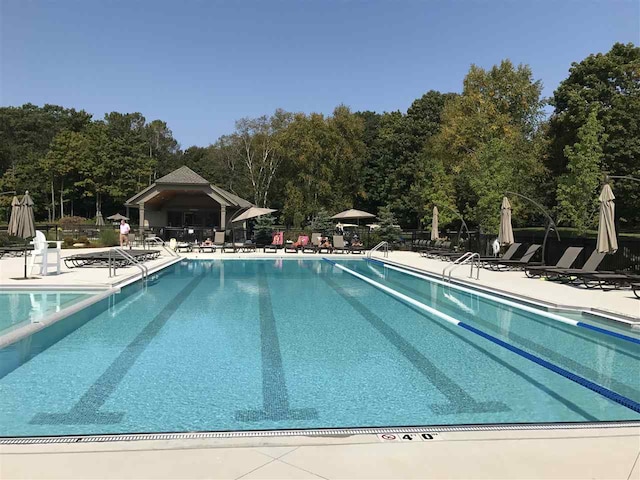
(459, 151)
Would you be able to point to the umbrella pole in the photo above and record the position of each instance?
(24, 254)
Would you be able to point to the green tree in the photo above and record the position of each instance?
(577, 189)
(256, 144)
(323, 161)
(610, 83)
(321, 222)
(395, 143)
(263, 229)
(389, 230)
(62, 162)
(488, 137)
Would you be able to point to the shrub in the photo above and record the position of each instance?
(7, 240)
(68, 241)
(108, 238)
(389, 230)
(322, 222)
(73, 221)
(263, 229)
(83, 239)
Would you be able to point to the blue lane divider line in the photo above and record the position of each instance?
(605, 392)
(327, 260)
(603, 331)
(609, 332)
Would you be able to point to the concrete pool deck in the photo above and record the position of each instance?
(611, 453)
(603, 453)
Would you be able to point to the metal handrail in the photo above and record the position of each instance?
(378, 247)
(171, 252)
(468, 257)
(133, 261)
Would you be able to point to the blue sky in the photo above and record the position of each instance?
(201, 65)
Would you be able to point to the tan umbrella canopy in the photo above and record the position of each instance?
(352, 214)
(99, 219)
(252, 212)
(607, 241)
(434, 224)
(505, 235)
(117, 217)
(13, 219)
(26, 223)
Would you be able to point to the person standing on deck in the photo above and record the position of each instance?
(124, 233)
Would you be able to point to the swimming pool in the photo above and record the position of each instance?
(296, 344)
(20, 307)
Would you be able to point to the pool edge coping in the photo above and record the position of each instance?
(314, 433)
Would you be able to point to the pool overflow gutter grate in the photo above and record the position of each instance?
(605, 392)
(335, 432)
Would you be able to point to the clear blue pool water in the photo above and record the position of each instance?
(273, 344)
(20, 307)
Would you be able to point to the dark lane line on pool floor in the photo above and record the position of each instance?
(540, 386)
(459, 400)
(85, 411)
(275, 395)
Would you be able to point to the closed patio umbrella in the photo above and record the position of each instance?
(607, 241)
(505, 235)
(26, 223)
(434, 224)
(99, 219)
(13, 218)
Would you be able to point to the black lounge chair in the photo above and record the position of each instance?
(339, 245)
(607, 280)
(636, 288)
(507, 255)
(247, 247)
(568, 257)
(568, 275)
(101, 259)
(429, 245)
(444, 247)
(277, 240)
(523, 261)
(204, 248)
(230, 247)
(314, 246)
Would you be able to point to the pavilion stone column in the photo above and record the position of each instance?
(141, 220)
(223, 217)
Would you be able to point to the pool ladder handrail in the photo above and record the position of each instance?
(131, 260)
(467, 257)
(378, 247)
(147, 245)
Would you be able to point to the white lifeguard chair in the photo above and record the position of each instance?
(42, 253)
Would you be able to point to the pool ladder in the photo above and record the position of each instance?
(472, 258)
(382, 244)
(123, 253)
